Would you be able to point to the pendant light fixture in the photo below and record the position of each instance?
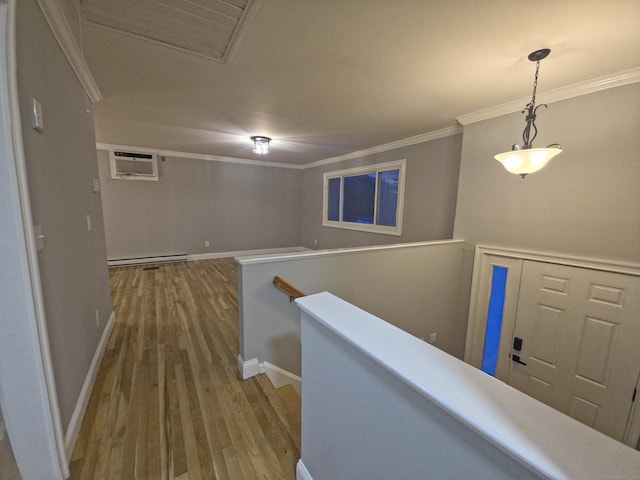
(260, 144)
(526, 159)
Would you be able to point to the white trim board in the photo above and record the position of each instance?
(338, 252)
(57, 22)
(29, 399)
(301, 472)
(195, 156)
(73, 430)
(613, 80)
(425, 137)
(278, 376)
(405, 142)
(619, 79)
(183, 257)
(246, 253)
(129, 262)
(592, 263)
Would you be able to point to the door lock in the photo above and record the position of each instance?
(517, 344)
(516, 358)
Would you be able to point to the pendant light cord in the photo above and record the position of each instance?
(531, 114)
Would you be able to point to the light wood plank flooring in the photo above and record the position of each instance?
(168, 402)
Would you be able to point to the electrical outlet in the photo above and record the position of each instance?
(206, 243)
(433, 337)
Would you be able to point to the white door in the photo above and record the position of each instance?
(575, 343)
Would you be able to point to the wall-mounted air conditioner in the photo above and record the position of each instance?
(133, 165)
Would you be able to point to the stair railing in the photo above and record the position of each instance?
(288, 289)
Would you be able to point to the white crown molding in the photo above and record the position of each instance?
(55, 18)
(196, 156)
(425, 137)
(619, 79)
(405, 142)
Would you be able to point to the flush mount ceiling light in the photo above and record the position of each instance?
(260, 144)
(526, 159)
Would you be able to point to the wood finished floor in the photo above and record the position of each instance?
(168, 402)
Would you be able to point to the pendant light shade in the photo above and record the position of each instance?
(526, 159)
(524, 162)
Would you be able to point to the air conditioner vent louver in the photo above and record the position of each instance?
(133, 165)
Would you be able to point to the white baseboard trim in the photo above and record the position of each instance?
(159, 259)
(277, 375)
(73, 430)
(280, 377)
(248, 369)
(301, 472)
(244, 253)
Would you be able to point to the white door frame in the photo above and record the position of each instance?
(478, 304)
(27, 388)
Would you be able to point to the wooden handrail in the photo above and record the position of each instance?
(288, 289)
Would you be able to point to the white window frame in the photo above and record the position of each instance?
(375, 168)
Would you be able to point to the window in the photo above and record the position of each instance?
(494, 320)
(366, 198)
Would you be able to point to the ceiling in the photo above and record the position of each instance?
(331, 77)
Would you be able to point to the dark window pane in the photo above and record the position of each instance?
(359, 197)
(333, 210)
(388, 197)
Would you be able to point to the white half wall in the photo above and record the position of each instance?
(379, 403)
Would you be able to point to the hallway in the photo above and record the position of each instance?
(168, 402)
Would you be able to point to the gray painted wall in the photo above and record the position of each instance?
(430, 196)
(235, 207)
(412, 287)
(61, 163)
(586, 202)
(241, 207)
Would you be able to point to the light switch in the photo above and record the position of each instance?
(38, 119)
(95, 185)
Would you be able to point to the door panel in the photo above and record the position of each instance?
(579, 355)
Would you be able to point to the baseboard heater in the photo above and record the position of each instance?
(158, 259)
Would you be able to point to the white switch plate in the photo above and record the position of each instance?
(38, 118)
(95, 185)
(37, 230)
